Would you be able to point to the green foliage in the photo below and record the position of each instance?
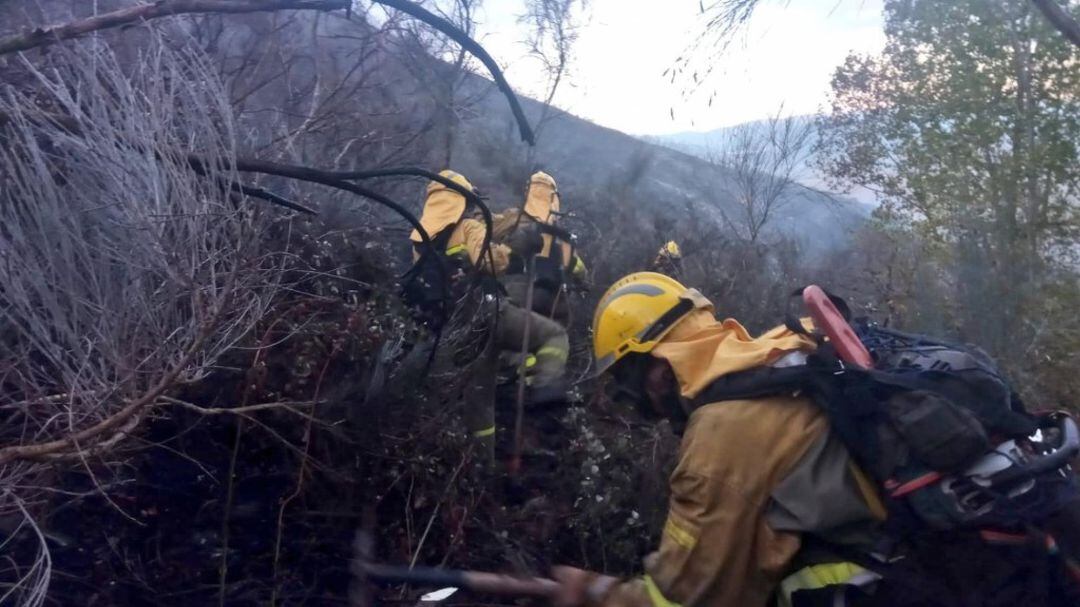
(968, 125)
(970, 116)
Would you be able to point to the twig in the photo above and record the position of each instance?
(477, 51)
(281, 405)
(42, 450)
(223, 567)
(43, 36)
(431, 520)
(300, 475)
(40, 570)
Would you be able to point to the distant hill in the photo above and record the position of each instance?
(602, 166)
(698, 143)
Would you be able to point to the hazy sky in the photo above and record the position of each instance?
(787, 56)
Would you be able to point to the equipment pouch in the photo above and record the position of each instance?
(548, 273)
(940, 434)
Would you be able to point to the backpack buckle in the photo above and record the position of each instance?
(841, 367)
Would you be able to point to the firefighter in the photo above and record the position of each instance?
(459, 238)
(753, 475)
(767, 505)
(668, 260)
(557, 264)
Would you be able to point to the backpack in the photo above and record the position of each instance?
(435, 281)
(936, 425)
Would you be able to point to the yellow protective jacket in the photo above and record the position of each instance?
(752, 475)
(541, 203)
(444, 209)
(468, 238)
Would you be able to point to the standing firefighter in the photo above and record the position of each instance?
(556, 263)
(459, 239)
(767, 505)
(669, 260)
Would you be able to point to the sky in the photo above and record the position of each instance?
(785, 57)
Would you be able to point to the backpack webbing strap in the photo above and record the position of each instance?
(846, 395)
(755, 383)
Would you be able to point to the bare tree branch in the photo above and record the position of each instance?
(70, 125)
(762, 162)
(162, 8)
(166, 8)
(1060, 18)
(554, 33)
(476, 50)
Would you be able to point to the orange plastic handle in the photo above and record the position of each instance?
(828, 319)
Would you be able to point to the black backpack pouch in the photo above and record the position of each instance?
(548, 273)
(939, 434)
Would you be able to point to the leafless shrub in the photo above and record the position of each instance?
(553, 31)
(123, 272)
(762, 162)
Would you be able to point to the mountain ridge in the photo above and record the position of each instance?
(595, 163)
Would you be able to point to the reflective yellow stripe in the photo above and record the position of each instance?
(552, 352)
(485, 432)
(579, 266)
(530, 361)
(679, 535)
(658, 599)
(820, 576)
(456, 249)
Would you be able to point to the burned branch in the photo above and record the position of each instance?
(44, 36)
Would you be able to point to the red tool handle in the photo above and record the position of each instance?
(828, 319)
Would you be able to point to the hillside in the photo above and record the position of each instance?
(591, 162)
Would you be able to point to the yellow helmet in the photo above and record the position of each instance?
(443, 206)
(454, 176)
(637, 312)
(671, 249)
(542, 197)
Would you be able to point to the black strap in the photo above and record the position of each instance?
(756, 383)
(846, 395)
(553, 230)
(795, 326)
(667, 319)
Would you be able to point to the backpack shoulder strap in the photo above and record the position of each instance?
(438, 242)
(756, 383)
(845, 395)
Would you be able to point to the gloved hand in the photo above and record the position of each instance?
(578, 587)
(526, 240)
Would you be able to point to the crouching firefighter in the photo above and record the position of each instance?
(770, 506)
(557, 265)
(459, 238)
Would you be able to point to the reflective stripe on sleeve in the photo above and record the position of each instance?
(816, 577)
(579, 267)
(552, 352)
(490, 430)
(679, 535)
(658, 599)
